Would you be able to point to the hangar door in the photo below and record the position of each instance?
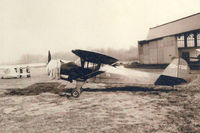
(153, 56)
(169, 53)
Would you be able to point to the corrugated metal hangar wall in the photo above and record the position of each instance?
(160, 51)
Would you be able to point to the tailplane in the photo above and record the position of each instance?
(175, 73)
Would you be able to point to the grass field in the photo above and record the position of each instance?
(29, 106)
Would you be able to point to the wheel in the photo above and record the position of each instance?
(75, 93)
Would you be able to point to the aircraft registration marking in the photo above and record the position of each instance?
(180, 66)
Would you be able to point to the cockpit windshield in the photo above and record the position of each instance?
(78, 62)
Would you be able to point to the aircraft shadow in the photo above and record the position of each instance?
(129, 89)
(37, 89)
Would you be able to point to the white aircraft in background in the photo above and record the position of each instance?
(17, 71)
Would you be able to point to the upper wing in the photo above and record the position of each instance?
(94, 57)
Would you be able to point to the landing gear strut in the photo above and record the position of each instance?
(77, 91)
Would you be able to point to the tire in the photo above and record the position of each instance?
(75, 93)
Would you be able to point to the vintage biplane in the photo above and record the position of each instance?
(100, 68)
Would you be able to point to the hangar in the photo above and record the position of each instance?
(179, 38)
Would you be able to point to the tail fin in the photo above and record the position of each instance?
(174, 74)
(49, 56)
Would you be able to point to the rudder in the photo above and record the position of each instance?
(174, 74)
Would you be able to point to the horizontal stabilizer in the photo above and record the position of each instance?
(169, 81)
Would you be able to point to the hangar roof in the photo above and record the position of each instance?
(182, 25)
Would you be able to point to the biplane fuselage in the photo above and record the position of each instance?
(108, 75)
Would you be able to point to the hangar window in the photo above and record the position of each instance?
(190, 40)
(198, 39)
(180, 41)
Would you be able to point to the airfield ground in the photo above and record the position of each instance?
(36, 105)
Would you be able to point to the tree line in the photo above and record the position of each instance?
(121, 54)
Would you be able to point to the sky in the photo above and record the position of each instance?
(36, 26)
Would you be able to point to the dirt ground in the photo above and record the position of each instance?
(38, 105)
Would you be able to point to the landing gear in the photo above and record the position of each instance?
(75, 93)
